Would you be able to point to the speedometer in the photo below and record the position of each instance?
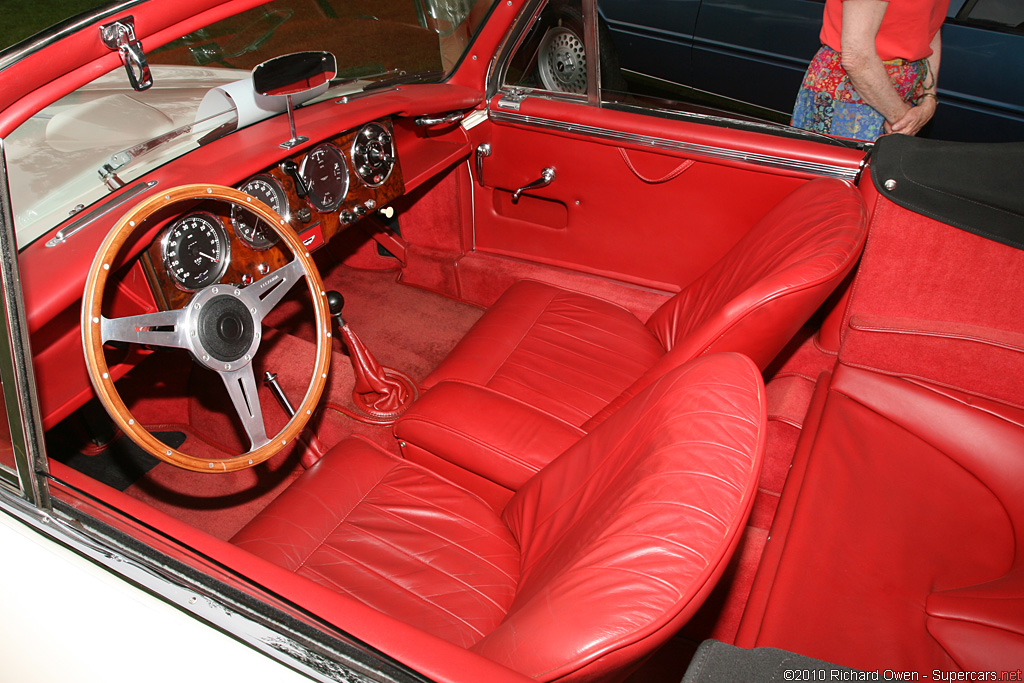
(326, 175)
(250, 228)
(195, 250)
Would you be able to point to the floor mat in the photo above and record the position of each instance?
(120, 464)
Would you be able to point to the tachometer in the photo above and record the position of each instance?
(195, 251)
(326, 175)
(247, 226)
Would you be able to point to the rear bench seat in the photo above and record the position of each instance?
(545, 365)
(899, 540)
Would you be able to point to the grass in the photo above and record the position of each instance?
(21, 19)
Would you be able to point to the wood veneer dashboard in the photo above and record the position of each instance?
(210, 243)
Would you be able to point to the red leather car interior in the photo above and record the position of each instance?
(908, 484)
(577, 359)
(594, 563)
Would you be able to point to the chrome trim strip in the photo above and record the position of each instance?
(59, 32)
(755, 158)
(68, 230)
(19, 384)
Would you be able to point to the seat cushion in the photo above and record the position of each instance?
(563, 352)
(396, 537)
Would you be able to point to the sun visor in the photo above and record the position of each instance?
(250, 106)
(977, 187)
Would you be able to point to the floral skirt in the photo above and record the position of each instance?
(828, 103)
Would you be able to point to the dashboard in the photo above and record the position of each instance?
(318, 191)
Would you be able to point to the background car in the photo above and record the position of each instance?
(756, 53)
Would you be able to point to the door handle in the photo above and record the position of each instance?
(546, 177)
(482, 151)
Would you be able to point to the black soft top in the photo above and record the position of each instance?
(977, 187)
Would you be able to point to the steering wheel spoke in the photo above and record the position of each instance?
(244, 393)
(163, 328)
(267, 292)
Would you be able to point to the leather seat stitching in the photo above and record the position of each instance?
(344, 517)
(388, 579)
(618, 353)
(524, 335)
(412, 556)
(552, 378)
(455, 544)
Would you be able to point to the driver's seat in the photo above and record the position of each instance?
(593, 564)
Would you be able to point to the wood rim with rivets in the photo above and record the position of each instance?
(92, 343)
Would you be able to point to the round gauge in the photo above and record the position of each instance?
(247, 226)
(373, 154)
(326, 175)
(195, 251)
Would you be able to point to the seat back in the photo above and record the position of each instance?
(624, 534)
(757, 296)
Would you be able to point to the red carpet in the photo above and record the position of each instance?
(406, 328)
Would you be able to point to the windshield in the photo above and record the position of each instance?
(77, 150)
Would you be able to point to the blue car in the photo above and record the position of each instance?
(757, 51)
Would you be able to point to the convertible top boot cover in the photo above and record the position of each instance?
(593, 564)
(974, 187)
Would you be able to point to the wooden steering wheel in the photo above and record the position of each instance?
(221, 327)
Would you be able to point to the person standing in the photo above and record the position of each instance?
(876, 71)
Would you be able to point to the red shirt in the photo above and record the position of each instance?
(906, 32)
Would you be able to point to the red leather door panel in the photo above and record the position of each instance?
(604, 213)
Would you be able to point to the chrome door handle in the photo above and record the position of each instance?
(451, 117)
(546, 176)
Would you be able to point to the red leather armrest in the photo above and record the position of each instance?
(485, 432)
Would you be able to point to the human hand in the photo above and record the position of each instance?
(914, 119)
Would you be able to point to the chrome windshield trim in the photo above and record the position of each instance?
(102, 210)
(34, 44)
(756, 158)
(18, 378)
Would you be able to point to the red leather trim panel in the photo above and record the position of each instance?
(918, 497)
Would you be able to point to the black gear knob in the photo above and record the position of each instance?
(335, 302)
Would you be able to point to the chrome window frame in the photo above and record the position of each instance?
(16, 372)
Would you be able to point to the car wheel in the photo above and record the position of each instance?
(562, 55)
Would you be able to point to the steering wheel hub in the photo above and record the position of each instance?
(224, 329)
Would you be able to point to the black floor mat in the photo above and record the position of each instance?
(122, 463)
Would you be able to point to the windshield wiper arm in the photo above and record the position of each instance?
(217, 125)
(403, 78)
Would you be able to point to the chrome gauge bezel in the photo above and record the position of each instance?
(316, 195)
(372, 133)
(223, 252)
(269, 237)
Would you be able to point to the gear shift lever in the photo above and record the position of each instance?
(381, 393)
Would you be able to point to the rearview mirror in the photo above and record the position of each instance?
(288, 75)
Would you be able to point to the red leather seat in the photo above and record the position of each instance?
(572, 355)
(572, 360)
(593, 564)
